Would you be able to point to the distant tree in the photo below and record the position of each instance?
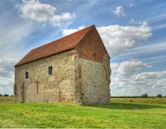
(159, 95)
(145, 95)
(0, 95)
(6, 95)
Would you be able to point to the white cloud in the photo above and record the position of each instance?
(128, 78)
(119, 11)
(118, 39)
(126, 69)
(44, 13)
(36, 11)
(129, 68)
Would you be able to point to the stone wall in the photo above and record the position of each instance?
(74, 79)
(41, 87)
(93, 79)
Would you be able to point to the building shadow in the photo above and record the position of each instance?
(132, 106)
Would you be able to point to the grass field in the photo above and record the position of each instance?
(122, 113)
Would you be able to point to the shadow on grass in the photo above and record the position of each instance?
(127, 106)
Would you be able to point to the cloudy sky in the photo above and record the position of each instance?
(132, 31)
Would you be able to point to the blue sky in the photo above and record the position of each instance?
(132, 31)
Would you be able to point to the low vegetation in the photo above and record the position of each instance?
(122, 113)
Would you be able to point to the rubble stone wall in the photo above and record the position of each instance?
(41, 87)
(93, 81)
(74, 79)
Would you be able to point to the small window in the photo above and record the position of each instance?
(50, 70)
(26, 75)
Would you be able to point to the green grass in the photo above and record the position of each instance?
(122, 113)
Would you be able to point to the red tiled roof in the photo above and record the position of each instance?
(60, 45)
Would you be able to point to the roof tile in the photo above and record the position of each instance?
(60, 45)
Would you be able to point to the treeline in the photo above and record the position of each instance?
(142, 96)
(6, 95)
